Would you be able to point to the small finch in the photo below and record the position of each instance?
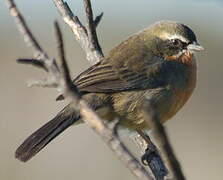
(155, 65)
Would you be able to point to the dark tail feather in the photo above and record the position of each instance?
(39, 139)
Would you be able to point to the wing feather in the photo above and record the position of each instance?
(112, 79)
(127, 67)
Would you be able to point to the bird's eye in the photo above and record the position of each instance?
(176, 42)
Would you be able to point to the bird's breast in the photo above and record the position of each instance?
(181, 88)
(179, 81)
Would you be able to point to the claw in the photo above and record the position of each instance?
(152, 159)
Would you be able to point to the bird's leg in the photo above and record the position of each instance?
(152, 158)
(150, 150)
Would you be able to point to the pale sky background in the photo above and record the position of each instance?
(196, 132)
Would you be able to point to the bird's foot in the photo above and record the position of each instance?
(153, 159)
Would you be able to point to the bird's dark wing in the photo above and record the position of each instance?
(103, 77)
(122, 70)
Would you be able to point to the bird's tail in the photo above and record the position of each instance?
(40, 138)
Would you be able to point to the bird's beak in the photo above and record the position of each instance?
(195, 47)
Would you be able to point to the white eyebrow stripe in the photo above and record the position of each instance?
(176, 36)
(173, 36)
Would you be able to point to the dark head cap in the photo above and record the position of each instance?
(171, 38)
(169, 30)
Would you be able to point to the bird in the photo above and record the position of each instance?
(156, 65)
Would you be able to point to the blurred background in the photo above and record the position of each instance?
(196, 132)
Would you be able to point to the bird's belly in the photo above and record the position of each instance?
(177, 101)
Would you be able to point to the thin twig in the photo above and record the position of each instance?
(35, 62)
(64, 84)
(26, 32)
(165, 147)
(98, 19)
(64, 66)
(92, 34)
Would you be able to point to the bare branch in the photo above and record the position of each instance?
(29, 38)
(64, 66)
(92, 35)
(22, 27)
(64, 84)
(80, 32)
(165, 147)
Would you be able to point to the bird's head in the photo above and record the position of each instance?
(171, 40)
